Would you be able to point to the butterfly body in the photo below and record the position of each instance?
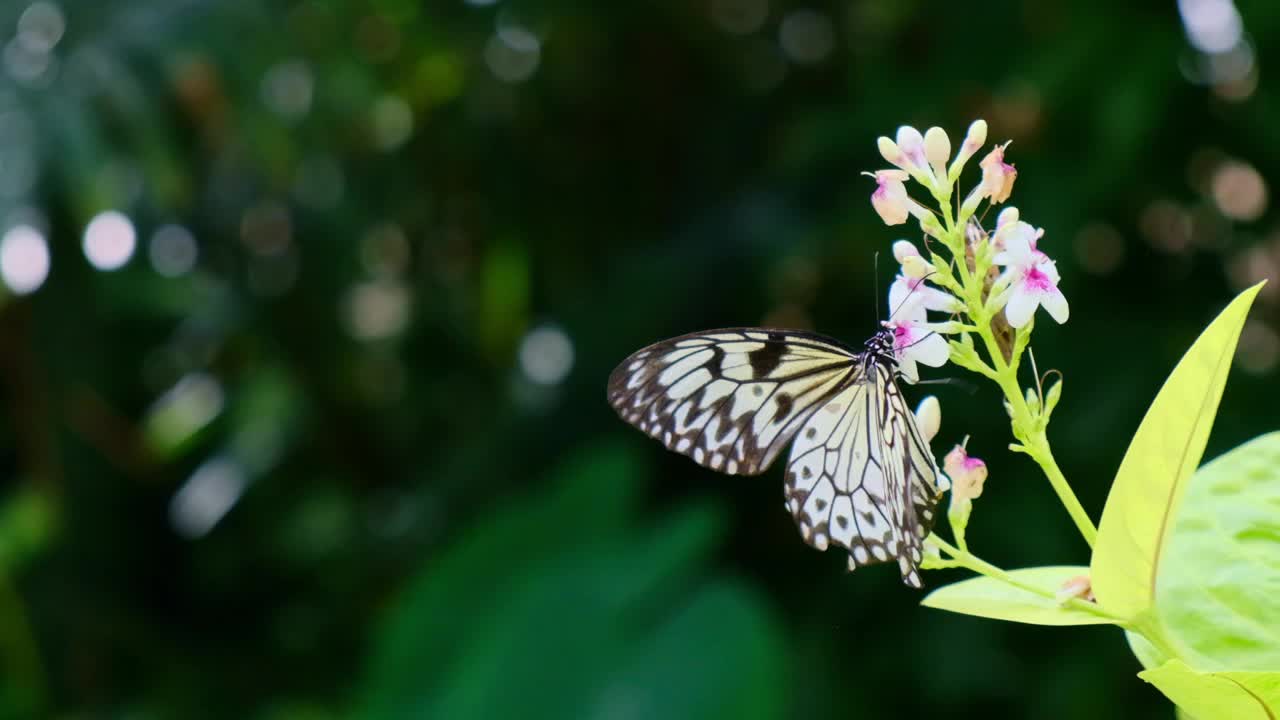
(859, 474)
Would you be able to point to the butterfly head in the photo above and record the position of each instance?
(879, 347)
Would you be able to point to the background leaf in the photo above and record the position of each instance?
(1144, 499)
(992, 598)
(1218, 591)
(515, 622)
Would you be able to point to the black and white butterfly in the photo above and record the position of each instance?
(860, 473)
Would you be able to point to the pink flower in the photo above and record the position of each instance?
(997, 175)
(913, 343)
(890, 197)
(1033, 278)
(967, 474)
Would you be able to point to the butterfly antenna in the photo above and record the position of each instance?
(915, 286)
(876, 280)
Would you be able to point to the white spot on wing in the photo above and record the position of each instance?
(689, 384)
(684, 366)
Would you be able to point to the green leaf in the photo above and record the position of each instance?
(1233, 695)
(991, 598)
(1152, 478)
(559, 606)
(1218, 595)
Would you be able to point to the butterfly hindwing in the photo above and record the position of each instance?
(846, 481)
(730, 399)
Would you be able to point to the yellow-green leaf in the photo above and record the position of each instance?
(991, 598)
(1218, 593)
(1219, 695)
(1162, 455)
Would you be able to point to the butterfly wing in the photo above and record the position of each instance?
(731, 399)
(860, 476)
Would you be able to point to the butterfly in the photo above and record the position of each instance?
(859, 475)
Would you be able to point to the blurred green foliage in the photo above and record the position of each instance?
(353, 457)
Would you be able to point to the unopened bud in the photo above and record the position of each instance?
(929, 417)
(937, 149)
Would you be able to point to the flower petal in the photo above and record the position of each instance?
(1056, 303)
(1022, 305)
(904, 249)
(907, 368)
(931, 350)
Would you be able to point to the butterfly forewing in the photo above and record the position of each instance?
(730, 399)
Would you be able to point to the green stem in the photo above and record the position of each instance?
(1033, 438)
(969, 561)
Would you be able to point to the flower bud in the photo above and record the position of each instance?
(915, 161)
(1051, 398)
(891, 153)
(904, 249)
(1007, 216)
(929, 417)
(914, 266)
(937, 148)
(997, 175)
(973, 140)
(1078, 587)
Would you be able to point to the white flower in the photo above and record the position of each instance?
(1032, 278)
(908, 290)
(1009, 227)
(914, 342)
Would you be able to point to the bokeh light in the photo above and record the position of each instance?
(376, 310)
(288, 88)
(807, 36)
(24, 259)
(109, 240)
(206, 496)
(513, 53)
(392, 122)
(1259, 348)
(1213, 26)
(1239, 191)
(1099, 248)
(173, 250)
(546, 355)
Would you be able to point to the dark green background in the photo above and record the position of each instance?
(425, 531)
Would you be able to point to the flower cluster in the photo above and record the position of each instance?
(953, 279)
(970, 288)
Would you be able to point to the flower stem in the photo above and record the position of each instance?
(1029, 434)
(969, 561)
